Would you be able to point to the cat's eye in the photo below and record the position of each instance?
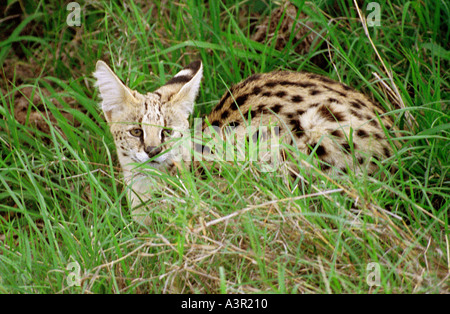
(166, 133)
(136, 132)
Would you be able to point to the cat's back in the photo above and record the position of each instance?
(312, 111)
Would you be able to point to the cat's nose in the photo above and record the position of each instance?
(152, 151)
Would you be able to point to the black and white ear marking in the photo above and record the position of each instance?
(115, 95)
(181, 90)
(186, 74)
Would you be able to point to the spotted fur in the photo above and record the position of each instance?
(317, 115)
(310, 109)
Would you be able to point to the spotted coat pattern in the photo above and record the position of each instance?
(314, 113)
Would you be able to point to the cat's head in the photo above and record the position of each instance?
(145, 127)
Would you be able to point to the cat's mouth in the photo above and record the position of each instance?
(158, 161)
(149, 163)
(142, 157)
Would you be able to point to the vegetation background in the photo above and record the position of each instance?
(65, 225)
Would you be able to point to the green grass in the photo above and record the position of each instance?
(61, 196)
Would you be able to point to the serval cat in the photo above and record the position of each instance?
(342, 127)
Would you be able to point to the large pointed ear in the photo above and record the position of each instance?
(115, 95)
(180, 91)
